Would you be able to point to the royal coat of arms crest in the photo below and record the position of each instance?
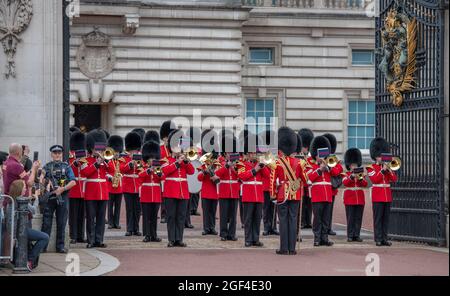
(398, 54)
(95, 56)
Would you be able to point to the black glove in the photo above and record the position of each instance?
(319, 172)
(254, 172)
(97, 166)
(149, 172)
(177, 164)
(76, 163)
(131, 165)
(110, 178)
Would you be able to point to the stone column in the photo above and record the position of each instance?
(31, 102)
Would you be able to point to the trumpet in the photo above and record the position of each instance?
(191, 154)
(395, 164)
(109, 153)
(331, 161)
(268, 159)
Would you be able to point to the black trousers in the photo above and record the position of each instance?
(306, 209)
(176, 212)
(268, 214)
(193, 203)
(330, 218)
(150, 219)
(252, 221)
(241, 211)
(133, 209)
(381, 213)
(61, 211)
(187, 221)
(354, 214)
(209, 207)
(321, 223)
(114, 205)
(95, 220)
(228, 217)
(76, 218)
(288, 215)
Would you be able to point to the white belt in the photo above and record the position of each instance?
(95, 180)
(252, 183)
(382, 185)
(229, 182)
(354, 188)
(80, 179)
(150, 184)
(176, 179)
(321, 183)
(131, 176)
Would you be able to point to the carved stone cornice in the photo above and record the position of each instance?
(15, 16)
(131, 23)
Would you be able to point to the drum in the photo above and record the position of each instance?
(193, 183)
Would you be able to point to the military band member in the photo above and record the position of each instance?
(96, 195)
(129, 169)
(59, 180)
(354, 197)
(150, 191)
(194, 134)
(251, 173)
(290, 177)
(306, 216)
(319, 174)
(115, 182)
(229, 188)
(207, 176)
(176, 167)
(381, 177)
(76, 194)
(166, 128)
(270, 225)
(336, 181)
(141, 132)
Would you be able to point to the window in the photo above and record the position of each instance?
(259, 55)
(363, 57)
(361, 124)
(260, 114)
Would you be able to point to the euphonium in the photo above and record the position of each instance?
(395, 164)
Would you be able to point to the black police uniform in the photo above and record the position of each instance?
(59, 174)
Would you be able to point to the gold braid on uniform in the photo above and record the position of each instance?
(272, 181)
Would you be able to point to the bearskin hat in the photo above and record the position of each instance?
(268, 138)
(77, 141)
(116, 143)
(73, 129)
(174, 139)
(195, 135)
(379, 146)
(133, 141)
(104, 131)
(151, 135)
(299, 144)
(287, 140)
(307, 136)
(352, 155)
(3, 157)
(210, 141)
(140, 132)
(317, 143)
(333, 142)
(166, 128)
(94, 137)
(151, 150)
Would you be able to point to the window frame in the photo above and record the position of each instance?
(272, 124)
(366, 150)
(272, 53)
(276, 53)
(361, 50)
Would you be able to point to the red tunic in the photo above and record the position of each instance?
(320, 189)
(175, 182)
(279, 174)
(354, 190)
(130, 179)
(381, 183)
(77, 190)
(164, 152)
(229, 186)
(113, 164)
(95, 187)
(252, 185)
(209, 189)
(150, 191)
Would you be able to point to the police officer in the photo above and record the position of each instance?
(58, 178)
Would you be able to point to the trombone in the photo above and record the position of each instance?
(395, 164)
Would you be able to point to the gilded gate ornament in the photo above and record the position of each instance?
(398, 52)
(15, 16)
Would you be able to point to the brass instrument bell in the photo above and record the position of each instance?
(331, 161)
(109, 153)
(395, 164)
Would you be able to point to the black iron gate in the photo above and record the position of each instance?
(416, 128)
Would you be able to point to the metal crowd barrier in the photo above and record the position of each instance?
(7, 227)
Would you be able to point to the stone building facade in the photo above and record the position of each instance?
(289, 59)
